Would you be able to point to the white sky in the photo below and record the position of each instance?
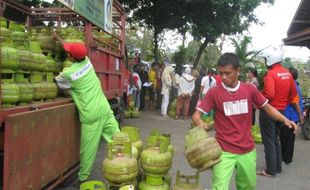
(276, 19)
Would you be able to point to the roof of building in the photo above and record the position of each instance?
(298, 33)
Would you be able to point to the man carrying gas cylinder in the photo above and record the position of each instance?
(95, 113)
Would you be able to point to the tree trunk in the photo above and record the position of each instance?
(183, 38)
(200, 51)
(156, 45)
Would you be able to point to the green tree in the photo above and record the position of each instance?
(211, 56)
(247, 58)
(156, 15)
(211, 18)
(180, 56)
(140, 37)
(287, 62)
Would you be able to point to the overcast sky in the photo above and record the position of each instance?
(277, 19)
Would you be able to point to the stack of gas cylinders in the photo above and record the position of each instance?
(127, 164)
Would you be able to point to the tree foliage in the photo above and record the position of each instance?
(247, 58)
(156, 15)
(207, 19)
(212, 18)
(211, 56)
(180, 56)
(287, 62)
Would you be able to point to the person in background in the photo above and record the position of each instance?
(196, 92)
(95, 114)
(165, 90)
(216, 76)
(136, 87)
(280, 90)
(232, 102)
(153, 80)
(185, 90)
(252, 76)
(137, 59)
(159, 86)
(176, 81)
(144, 77)
(287, 136)
(207, 82)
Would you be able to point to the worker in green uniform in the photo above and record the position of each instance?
(95, 113)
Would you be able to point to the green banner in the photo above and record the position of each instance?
(98, 12)
(92, 10)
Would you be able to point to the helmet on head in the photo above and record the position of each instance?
(272, 55)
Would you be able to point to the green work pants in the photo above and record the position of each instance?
(90, 138)
(245, 165)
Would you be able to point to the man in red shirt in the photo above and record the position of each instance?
(280, 90)
(232, 101)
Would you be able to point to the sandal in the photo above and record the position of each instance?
(263, 173)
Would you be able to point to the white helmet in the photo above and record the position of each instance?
(272, 55)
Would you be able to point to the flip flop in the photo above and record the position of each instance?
(263, 173)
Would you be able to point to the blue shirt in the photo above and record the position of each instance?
(289, 112)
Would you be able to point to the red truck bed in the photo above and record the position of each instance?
(39, 143)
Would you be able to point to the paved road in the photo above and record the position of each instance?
(293, 177)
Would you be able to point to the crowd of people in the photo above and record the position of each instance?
(164, 83)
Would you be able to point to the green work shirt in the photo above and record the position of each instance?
(86, 91)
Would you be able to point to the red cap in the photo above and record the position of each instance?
(76, 50)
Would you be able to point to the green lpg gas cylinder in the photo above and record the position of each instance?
(93, 185)
(26, 90)
(50, 86)
(127, 113)
(120, 166)
(170, 147)
(34, 46)
(9, 90)
(3, 22)
(123, 137)
(190, 182)
(9, 58)
(46, 40)
(156, 160)
(5, 37)
(38, 62)
(20, 40)
(51, 65)
(135, 114)
(201, 153)
(25, 60)
(144, 186)
(153, 138)
(134, 136)
(39, 88)
(50, 90)
(17, 27)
